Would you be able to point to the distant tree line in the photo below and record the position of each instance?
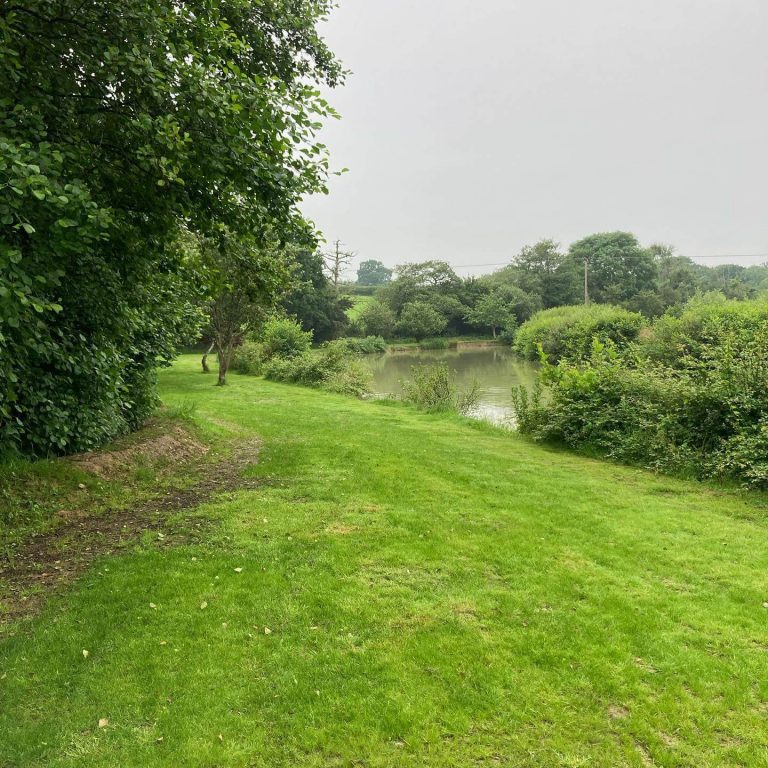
(429, 299)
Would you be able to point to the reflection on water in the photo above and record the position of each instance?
(496, 369)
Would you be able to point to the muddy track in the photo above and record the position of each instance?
(56, 558)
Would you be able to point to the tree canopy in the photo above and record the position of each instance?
(313, 300)
(372, 272)
(618, 266)
(120, 132)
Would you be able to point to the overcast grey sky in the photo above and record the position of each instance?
(473, 127)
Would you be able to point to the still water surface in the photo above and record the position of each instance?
(496, 369)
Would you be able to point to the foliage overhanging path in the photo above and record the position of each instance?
(125, 136)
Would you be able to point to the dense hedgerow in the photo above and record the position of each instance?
(676, 340)
(692, 398)
(567, 332)
(282, 352)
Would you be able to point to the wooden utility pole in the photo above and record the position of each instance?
(336, 260)
(586, 281)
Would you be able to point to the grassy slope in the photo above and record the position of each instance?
(359, 303)
(438, 594)
(31, 493)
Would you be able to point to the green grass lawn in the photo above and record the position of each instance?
(415, 591)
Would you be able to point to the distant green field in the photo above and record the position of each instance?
(359, 303)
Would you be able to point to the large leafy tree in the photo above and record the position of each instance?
(376, 319)
(430, 274)
(618, 267)
(313, 300)
(507, 305)
(420, 281)
(542, 270)
(491, 311)
(420, 320)
(121, 128)
(372, 272)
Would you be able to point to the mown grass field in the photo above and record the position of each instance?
(406, 590)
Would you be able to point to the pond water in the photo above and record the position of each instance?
(496, 369)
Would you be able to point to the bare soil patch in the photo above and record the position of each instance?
(50, 560)
(173, 447)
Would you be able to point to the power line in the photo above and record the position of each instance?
(708, 256)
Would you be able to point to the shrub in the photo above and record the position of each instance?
(248, 358)
(368, 346)
(568, 332)
(284, 337)
(376, 319)
(705, 416)
(354, 379)
(702, 324)
(601, 406)
(434, 344)
(419, 319)
(332, 367)
(431, 388)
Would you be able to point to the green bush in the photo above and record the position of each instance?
(333, 367)
(674, 340)
(376, 319)
(368, 346)
(431, 388)
(354, 378)
(284, 337)
(705, 416)
(437, 343)
(568, 332)
(77, 374)
(248, 358)
(419, 320)
(279, 338)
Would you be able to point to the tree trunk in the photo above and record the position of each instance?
(493, 328)
(204, 361)
(225, 357)
(222, 369)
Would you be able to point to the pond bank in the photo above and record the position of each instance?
(493, 368)
(448, 343)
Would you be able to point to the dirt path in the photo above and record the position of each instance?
(56, 558)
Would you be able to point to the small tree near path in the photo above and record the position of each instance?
(247, 282)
